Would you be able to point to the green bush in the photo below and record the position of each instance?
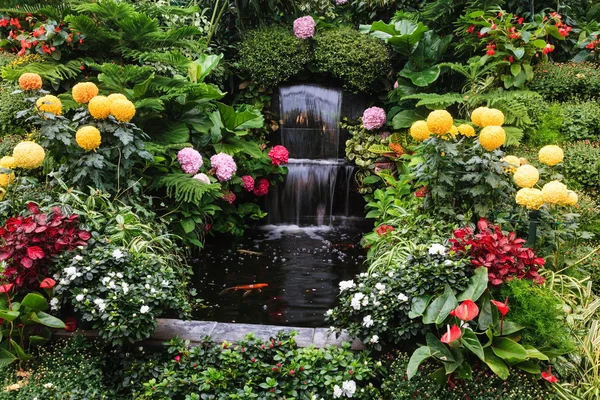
(581, 120)
(273, 55)
(582, 164)
(484, 386)
(359, 60)
(540, 312)
(561, 82)
(548, 127)
(10, 104)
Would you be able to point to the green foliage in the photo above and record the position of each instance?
(480, 76)
(568, 81)
(581, 120)
(359, 60)
(50, 70)
(10, 104)
(582, 164)
(273, 54)
(547, 126)
(184, 188)
(358, 151)
(540, 312)
(483, 385)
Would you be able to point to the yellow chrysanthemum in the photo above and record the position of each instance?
(513, 163)
(492, 137)
(28, 155)
(572, 199)
(439, 122)
(492, 117)
(99, 107)
(122, 110)
(533, 199)
(476, 115)
(453, 133)
(8, 162)
(2, 193)
(551, 155)
(30, 81)
(526, 176)
(5, 179)
(555, 192)
(88, 138)
(419, 131)
(49, 104)
(466, 130)
(116, 96)
(83, 92)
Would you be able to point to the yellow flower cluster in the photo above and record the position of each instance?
(28, 155)
(477, 114)
(419, 131)
(492, 117)
(49, 104)
(88, 138)
(555, 192)
(492, 137)
(439, 122)
(551, 155)
(513, 163)
(30, 81)
(99, 107)
(526, 176)
(533, 199)
(466, 130)
(83, 92)
(122, 110)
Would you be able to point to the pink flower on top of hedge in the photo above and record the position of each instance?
(190, 160)
(279, 155)
(224, 166)
(262, 188)
(374, 118)
(304, 28)
(248, 183)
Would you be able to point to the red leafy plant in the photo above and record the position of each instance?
(503, 256)
(27, 243)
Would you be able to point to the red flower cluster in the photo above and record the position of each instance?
(262, 187)
(248, 183)
(28, 242)
(504, 256)
(279, 155)
(491, 49)
(421, 192)
(548, 49)
(384, 229)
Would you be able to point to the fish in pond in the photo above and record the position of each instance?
(249, 252)
(246, 288)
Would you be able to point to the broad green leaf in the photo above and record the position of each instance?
(509, 350)
(486, 314)
(422, 78)
(529, 366)
(532, 352)
(418, 306)
(19, 351)
(440, 308)
(450, 367)
(525, 35)
(553, 31)
(515, 69)
(6, 357)
(496, 364)
(188, 225)
(140, 89)
(439, 376)
(471, 341)
(539, 43)
(41, 339)
(420, 355)
(35, 301)
(47, 320)
(464, 371)
(241, 119)
(200, 68)
(438, 349)
(477, 285)
(519, 52)
(404, 119)
(403, 35)
(508, 327)
(9, 315)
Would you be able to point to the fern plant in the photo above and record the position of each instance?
(479, 75)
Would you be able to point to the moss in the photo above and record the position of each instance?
(358, 59)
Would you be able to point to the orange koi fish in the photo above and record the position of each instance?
(247, 288)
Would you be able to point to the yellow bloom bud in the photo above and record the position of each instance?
(88, 138)
(526, 176)
(83, 92)
(28, 155)
(492, 117)
(492, 137)
(551, 155)
(99, 107)
(555, 192)
(533, 199)
(439, 122)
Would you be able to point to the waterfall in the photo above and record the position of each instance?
(310, 117)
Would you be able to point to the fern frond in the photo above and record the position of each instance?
(184, 188)
(49, 70)
(435, 101)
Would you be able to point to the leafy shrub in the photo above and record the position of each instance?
(10, 104)
(547, 127)
(358, 59)
(375, 307)
(252, 369)
(581, 120)
(562, 82)
(484, 385)
(540, 312)
(273, 54)
(582, 164)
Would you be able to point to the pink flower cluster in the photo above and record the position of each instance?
(341, 2)
(202, 178)
(248, 183)
(224, 166)
(262, 189)
(374, 118)
(304, 28)
(190, 160)
(279, 155)
(229, 197)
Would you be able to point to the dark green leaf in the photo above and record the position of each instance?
(35, 301)
(420, 355)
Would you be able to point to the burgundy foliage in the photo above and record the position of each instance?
(28, 242)
(503, 256)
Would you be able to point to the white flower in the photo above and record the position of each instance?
(64, 282)
(111, 285)
(346, 285)
(144, 309)
(363, 275)
(80, 297)
(125, 287)
(48, 385)
(78, 258)
(337, 392)
(54, 304)
(100, 303)
(368, 321)
(390, 274)
(117, 254)
(356, 299)
(165, 283)
(329, 313)
(349, 388)
(105, 280)
(376, 303)
(437, 249)
(374, 339)
(365, 301)
(448, 263)
(380, 287)
(147, 286)
(119, 275)
(402, 298)
(71, 273)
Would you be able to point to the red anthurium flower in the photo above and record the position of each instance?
(466, 311)
(548, 376)
(452, 334)
(70, 324)
(502, 307)
(47, 283)
(5, 287)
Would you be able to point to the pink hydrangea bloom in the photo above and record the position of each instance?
(262, 189)
(373, 118)
(304, 28)
(202, 178)
(248, 183)
(279, 155)
(229, 197)
(190, 160)
(396, 85)
(224, 166)
(341, 2)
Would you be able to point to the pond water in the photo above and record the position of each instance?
(302, 267)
